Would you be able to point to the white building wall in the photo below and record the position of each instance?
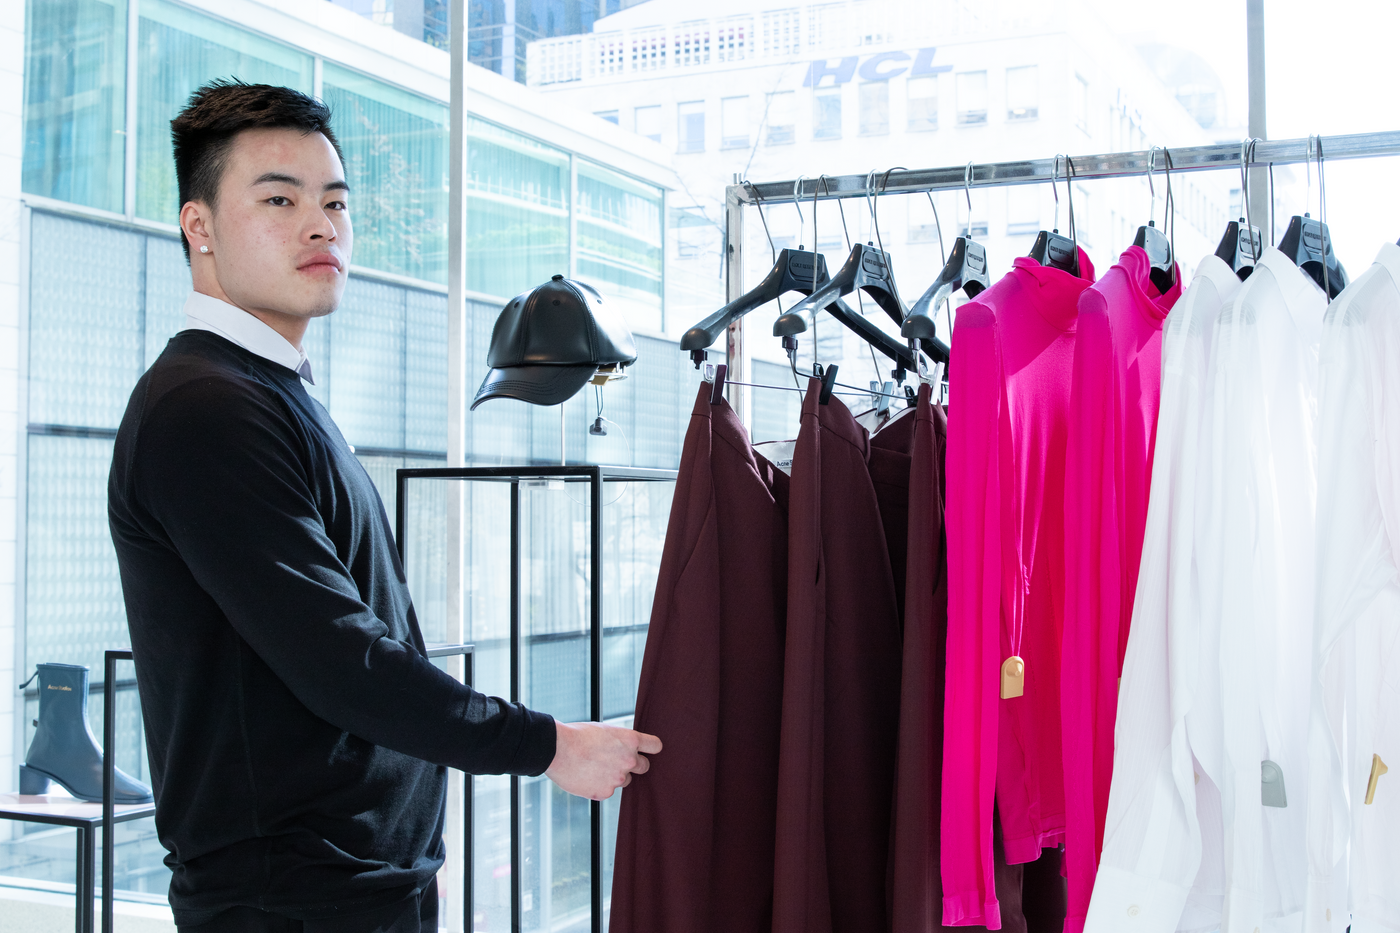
(11, 424)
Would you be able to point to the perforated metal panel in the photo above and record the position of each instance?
(367, 365)
(167, 286)
(73, 604)
(425, 391)
(85, 336)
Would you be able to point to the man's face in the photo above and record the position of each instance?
(280, 238)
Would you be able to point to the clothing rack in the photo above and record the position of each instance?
(1212, 157)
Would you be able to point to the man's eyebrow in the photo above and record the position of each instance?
(336, 186)
(285, 179)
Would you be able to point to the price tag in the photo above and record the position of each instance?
(1013, 678)
(1377, 769)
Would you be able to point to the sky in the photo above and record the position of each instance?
(1329, 70)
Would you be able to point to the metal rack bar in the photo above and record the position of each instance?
(1035, 171)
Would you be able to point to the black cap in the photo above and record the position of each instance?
(550, 341)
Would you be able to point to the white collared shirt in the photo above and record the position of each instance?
(1152, 843)
(203, 312)
(1213, 680)
(1356, 682)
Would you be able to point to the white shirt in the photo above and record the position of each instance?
(1356, 682)
(203, 312)
(1152, 840)
(1258, 595)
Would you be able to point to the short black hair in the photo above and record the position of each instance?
(203, 132)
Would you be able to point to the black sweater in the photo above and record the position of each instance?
(298, 735)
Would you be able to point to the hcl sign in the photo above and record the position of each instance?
(879, 67)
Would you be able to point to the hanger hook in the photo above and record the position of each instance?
(1055, 190)
(884, 181)
(967, 190)
(797, 203)
(758, 203)
(1246, 159)
(1151, 188)
(938, 226)
(1069, 195)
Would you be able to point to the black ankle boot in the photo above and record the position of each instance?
(64, 749)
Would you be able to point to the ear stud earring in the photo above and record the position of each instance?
(204, 249)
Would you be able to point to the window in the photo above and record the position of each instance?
(875, 108)
(518, 205)
(691, 126)
(1022, 93)
(179, 50)
(826, 114)
(782, 118)
(648, 122)
(734, 123)
(1022, 210)
(972, 98)
(619, 242)
(921, 103)
(1081, 103)
(74, 102)
(609, 115)
(395, 146)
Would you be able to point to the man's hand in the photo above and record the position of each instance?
(592, 759)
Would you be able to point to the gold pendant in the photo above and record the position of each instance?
(1377, 769)
(1013, 678)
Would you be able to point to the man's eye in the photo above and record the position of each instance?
(336, 206)
(278, 201)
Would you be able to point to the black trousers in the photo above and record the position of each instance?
(416, 914)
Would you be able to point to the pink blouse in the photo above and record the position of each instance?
(1108, 469)
(1007, 429)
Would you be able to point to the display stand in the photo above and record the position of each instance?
(596, 478)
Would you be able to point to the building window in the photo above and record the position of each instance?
(1022, 93)
(972, 98)
(648, 122)
(921, 103)
(181, 49)
(734, 123)
(609, 115)
(395, 146)
(1081, 103)
(75, 102)
(826, 114)
(1022, 210)
(781, 118)
(875, 108)
(690, 126)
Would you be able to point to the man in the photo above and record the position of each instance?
(298, 736)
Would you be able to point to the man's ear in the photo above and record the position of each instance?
(196, 220)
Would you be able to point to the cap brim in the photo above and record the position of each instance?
(538, 385)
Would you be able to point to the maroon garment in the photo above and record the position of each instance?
(916, 889)
(840, 687)
(695, 835)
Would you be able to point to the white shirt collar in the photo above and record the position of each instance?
(204, 312)
(1389, 256)
(1214, 269)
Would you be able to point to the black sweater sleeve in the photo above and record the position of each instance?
(233, 481)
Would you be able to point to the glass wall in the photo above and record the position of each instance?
(74, 101)
(395, 146)
(178, 50)
(619, 242)
(518, 201)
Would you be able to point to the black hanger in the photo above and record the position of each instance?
(867, 268)
(1240, 248)
(1051, 248)
(1309, 244)
(966, 268)
(1153, 241)
(795, 270)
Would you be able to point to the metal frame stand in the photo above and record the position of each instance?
(597, 477)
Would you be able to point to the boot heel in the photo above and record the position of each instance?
(32, 782)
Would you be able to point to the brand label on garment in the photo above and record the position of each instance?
(1271, 789)
(1013, 678)
(57, 687)
(1377, 769)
